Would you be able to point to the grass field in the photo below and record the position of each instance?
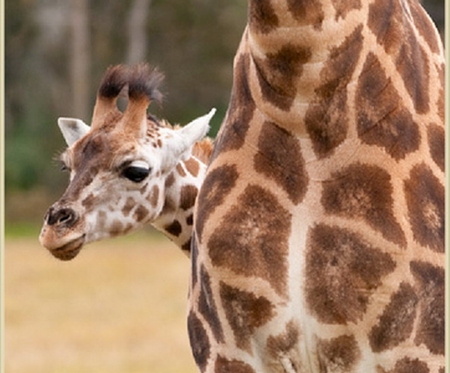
(120, 306)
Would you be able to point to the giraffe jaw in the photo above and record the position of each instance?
(69, 250)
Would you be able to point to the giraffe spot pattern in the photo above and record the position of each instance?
(284, 346)
(192, 166)
(364, 191)
(255, 230)
(217, 184)
(396, 323)
(408, 365)
(190, 219)
(325, 119)
(338, 354)
(140, 213)
(413, 66)
(262, 17)
(169, 180)
(394, 32)
(223, 365)
(425, 198)
(240, 111)
(188, 195)
(430, 282)
(207, 306)
(382, 120)
(180, 170)
(279, 158)
(277, 74)
(436, 144)
(342, 272)
(116, 228)
(154, 196)
(343, 7)
(245, 312)
(307, 12)
(425, 27)
(174, 228)
(200, 345)
(194, 255)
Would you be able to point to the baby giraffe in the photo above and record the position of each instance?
(127, 169)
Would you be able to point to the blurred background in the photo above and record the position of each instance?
(100, 312)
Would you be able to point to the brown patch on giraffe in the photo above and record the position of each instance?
(255, 230)
(277, 74)
(436, 144)
(342, 272)
(279, 157)
(224, 365)
(396, 323)
(364, 191)
(174, 228)
(180, 170)
(194, 255)
(192, 166)
(154, 195)
(425, 197)
(430, 285)
(129, 204)
(343, 7)
(388, 21)
(217, 184)
(308, 12)
(245, 312)
(413, 66)
(408, 365)
(170, 180)
(186, 246)
(141, 213)
(284, 346)
(200, 345)
(284, 342)
(89, 201)
(190, 219)
(188, 196)
(338, 355)
(207, 306)
(325, 120)
(116, 228)
(262, 17)
(382, 120)
(240, 111)
(425, 26)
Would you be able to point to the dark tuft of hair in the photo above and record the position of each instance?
(145, 82)
(115, 78)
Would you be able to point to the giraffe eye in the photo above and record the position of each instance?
(136, 172)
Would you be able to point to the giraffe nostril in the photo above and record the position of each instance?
(65, 216)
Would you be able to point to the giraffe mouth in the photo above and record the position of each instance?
(70, 250)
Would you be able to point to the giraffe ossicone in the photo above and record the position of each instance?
(126, 169)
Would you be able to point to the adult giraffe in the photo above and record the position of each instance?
(319, 229)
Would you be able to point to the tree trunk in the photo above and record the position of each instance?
(137, 33)
(80, 58)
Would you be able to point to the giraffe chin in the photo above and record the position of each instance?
(68, 251)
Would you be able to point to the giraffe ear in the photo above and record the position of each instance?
(181, 141)
(72, 129)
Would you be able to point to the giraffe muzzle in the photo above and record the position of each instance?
(60, 235)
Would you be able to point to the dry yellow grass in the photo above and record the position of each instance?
(120, 306)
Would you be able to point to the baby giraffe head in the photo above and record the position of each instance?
(118, 166)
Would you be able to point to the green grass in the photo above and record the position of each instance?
(120, 306)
